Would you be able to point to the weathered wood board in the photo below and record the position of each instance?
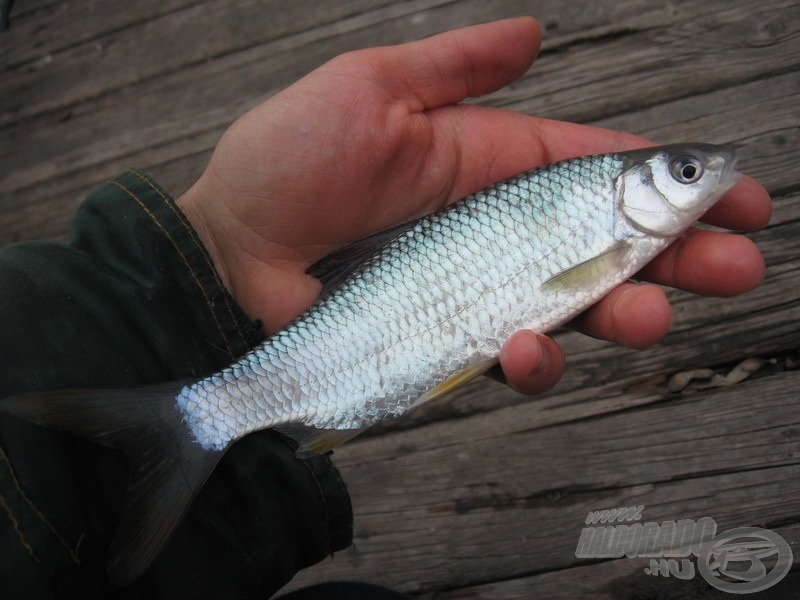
(484, 494)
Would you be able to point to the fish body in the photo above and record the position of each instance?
(407, 315)
(439, 297)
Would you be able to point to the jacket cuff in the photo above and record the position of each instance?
(320, 521)
(153, 213)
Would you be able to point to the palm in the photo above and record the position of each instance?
(376, 138)
(339, 175)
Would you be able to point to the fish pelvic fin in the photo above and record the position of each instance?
(168, 468)
(312, 441)
(458, 380)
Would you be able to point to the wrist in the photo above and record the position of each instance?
(192, 204)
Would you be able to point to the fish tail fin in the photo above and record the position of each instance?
(168, 467)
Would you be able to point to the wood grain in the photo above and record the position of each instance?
(437, 508)
(483, 494)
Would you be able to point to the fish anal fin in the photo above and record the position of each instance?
(456, 381)
(313, 441)
(168, 468)
(590, 271)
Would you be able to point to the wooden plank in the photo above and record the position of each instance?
(725, 44)
(84, 21)
(42, 29)
(124, 51)
(70, 140)
(615, 579)
(168, 128)
(442, 516)
(114, 34)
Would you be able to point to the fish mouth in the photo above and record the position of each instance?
(730, 179)
(722, 159)
(730, 158)
(729, 176)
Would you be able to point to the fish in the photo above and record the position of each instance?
(406, 316)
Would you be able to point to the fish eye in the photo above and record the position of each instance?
(686, 169)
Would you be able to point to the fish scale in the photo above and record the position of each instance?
(390, 343)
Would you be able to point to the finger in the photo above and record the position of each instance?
(494, 144)
(449, 67)
(709, 263)
(531, 363)
(632, 315)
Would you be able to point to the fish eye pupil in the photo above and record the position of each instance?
(687, 169)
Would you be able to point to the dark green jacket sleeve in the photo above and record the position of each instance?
(134, 299)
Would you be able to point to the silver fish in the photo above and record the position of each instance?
(407, 315)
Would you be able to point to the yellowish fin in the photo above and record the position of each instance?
(457, 380)
(311, 441)
(588, 273)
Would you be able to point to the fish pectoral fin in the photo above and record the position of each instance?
(590, 271)
(456, 381)
(312, 441)
(168, 467)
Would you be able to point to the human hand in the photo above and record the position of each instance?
(376, 137)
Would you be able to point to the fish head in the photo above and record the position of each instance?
(663, 190)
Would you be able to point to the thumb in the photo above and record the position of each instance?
(449, 67)
(531, 363)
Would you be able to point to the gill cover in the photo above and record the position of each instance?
(662, 189)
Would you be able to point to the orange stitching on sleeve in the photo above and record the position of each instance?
(185, 262)
(15, 524)
(73, 553)
(198, 244)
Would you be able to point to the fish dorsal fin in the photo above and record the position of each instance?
(456, 381)
(168, 468)
(590, 271)
(334, 268)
